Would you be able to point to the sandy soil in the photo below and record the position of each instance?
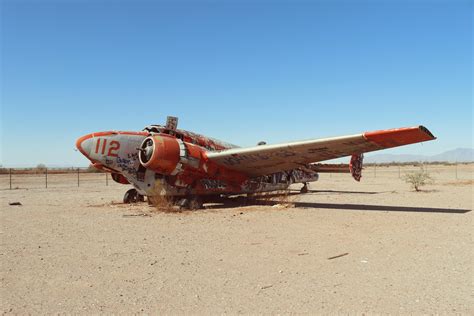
(78, 250)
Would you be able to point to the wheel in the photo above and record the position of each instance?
(131, 196)
(304, 189)
(140, 198)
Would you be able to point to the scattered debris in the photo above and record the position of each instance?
(338, 256)
(266, 287)
(303, 254)
(15, 203)
(284, 205)
(136, 215)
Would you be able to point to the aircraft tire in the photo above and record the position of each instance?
(131, 196)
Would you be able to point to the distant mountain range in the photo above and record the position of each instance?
(455, 155)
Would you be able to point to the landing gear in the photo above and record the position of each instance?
(304, 189)
(132, 196)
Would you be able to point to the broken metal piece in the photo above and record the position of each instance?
(171, 123)
(355, 166)
(338, 256)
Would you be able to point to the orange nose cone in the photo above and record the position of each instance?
(84, 144)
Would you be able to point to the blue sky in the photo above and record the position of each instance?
(240, 71)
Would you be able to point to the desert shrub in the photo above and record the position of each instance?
(41, 167)
(418, 179)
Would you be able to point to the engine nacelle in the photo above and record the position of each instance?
(160, 153)
(167, 155)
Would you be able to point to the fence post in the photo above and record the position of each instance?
(398, 172)
(46, 176)
(106, 179)
(375, 171)
(77, 177)
(456, 171)
(10, 178)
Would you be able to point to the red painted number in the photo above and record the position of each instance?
(114, 146)
(103, 146)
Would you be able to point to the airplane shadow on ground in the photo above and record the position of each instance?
(338, 192)
(386, 208)
(239, 202)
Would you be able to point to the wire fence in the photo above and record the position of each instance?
(15, 178)
(440, 172)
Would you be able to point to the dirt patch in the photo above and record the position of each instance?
(70, 251)
(459, 183)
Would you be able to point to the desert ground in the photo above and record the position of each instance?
(344, 247)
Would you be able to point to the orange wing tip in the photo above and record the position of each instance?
(399, 136)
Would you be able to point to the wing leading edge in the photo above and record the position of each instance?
(266, 159)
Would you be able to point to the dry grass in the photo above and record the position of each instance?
(163, 204)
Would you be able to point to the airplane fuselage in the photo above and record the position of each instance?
(130, 157)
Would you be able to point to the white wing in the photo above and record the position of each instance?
(266, 159)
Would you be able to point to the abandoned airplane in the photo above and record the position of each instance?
(189, 168)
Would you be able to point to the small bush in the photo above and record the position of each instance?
(41, 167)
(418, 179)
